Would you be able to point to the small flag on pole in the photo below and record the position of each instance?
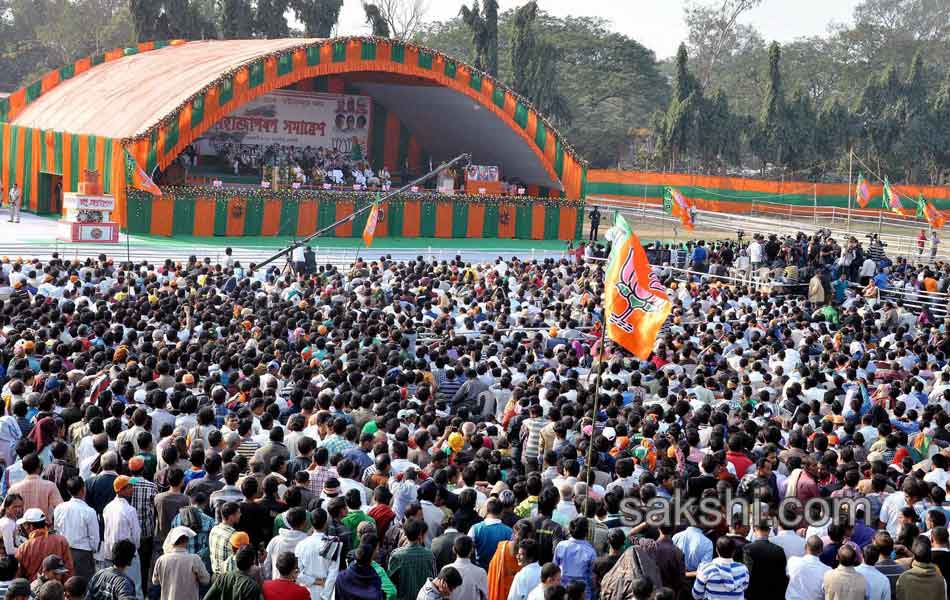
(677, 205)
(140, 179)
(891, 200)
(636, 301)
(369, 230)
(863, 192)
(926, 210)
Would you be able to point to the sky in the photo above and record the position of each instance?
(657, 24)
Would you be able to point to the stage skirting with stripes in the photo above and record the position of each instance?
(206, 212)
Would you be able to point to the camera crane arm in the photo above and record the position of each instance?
(461, 157)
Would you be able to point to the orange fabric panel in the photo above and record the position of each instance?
(114, 54)
(49, 81)
(506, 221)
(204, 217)
(270, 223)
(411, 215)
(101, 158)
(344, 208)
(532, 128)
(391, 139)
(476, 220)
(82, 65)
(146, 46)
(306, 217)
(537, 221)
(237, 208)
(68, 163)
(83, 160)
(163, 211)
(567, 223)
(118, 183)
(354, 49)
(443, 219)
(384, 51)
(415, 154)
(17, 101)
(50, 142)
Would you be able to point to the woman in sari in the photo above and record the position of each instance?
(43, 435)
(504, 564)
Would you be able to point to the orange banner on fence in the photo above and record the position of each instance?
(443, 219)
(270, 223)
(344, 209)
(411, 215)
(204, 217)
(163, 215)
(306, 217)
(476, 220)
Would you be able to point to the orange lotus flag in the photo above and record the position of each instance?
(371, 222)
(139, 178)
(636, 301)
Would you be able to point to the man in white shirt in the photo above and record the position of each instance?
(529, 577)
(474, 578)
(878, 585)
(550, 577)
(788, 539)
(318, 561)
(939, 475)
(122, 523)
(806, 574)
(79, 524)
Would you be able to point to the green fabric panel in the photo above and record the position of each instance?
(475, 81)
(43, 193)
(543, 192)
(425, 60)
(359, 222)
(253, 216)
(11, 156)
(42, 152)
(583, 193)
(288, 218)
(151, 158)
(450, 69)
(171, 135)
(326, 216)
(521, 115)
(285, 64)
(377, 137)
(27, 167)
(427, 219)
(523, 222)
(256, 75)
(404, 135)
(4, 110)
(225, 91)
(221, 217)
(552, 218)
(579, 227)
(313, 56)
(726, 195)
(183, 215)
(75, 167)
(459, 219)
(498, 97)
(541, 136)
(339, 52)
(490, 227)
(397, 53)
(394, 214)
(67, 72)
(130, 51)
(33, 91)
(160, 44)
(198, 110)
(322, 84)
(139, 212)
(107, 161)
(91, 152)
(368, 51)
(98, 59)
(558, 157)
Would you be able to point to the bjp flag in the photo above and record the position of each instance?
(139, 178)
(677, 205)
(371, 221)
(863, 192)
(636, 301)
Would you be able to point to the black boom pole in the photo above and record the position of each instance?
(350, 217)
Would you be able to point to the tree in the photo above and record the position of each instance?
(773, 120)
(523, 44)
(473, 19)
(713, 32)
(145, 14)
(375, 18)
(490, 16)
(237, 18)
(271, 19)
(318, 16)
(404, 17)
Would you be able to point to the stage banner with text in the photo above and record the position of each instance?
(291, 118)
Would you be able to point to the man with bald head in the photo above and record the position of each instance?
(806, 573)
(844, 582)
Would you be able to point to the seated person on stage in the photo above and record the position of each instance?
(358, 177)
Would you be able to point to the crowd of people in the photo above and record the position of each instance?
(416, 430)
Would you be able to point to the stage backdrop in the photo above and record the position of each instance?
(292, 118)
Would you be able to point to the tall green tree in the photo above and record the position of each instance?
(318, 16)
(237, 19)
(490, 16)
(523, 47)
(376, 20)
(474, 20)
(271, 18)
(772, 140)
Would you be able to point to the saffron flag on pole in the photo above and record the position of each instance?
(891, 200)
(677, 205)
(927, 211)
(863, 192)
(636, 303)
(140, 179)
(369, 230)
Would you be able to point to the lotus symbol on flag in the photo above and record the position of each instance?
(636, 297)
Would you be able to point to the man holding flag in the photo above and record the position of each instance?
(635, 301)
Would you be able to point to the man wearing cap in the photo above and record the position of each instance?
(41, 543)
(179, 573)
(79, 524)
(54, 569)
(122, 523)
(238, 584)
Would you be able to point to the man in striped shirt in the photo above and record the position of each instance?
(722, 578)
(531, 435)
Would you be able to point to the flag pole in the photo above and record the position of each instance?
(600, 361)
(850, 166)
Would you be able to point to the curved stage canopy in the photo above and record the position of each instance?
(156, 99)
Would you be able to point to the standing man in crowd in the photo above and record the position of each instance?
(16, 199)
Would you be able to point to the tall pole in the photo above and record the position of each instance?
(814, 196)
(600, 362)
(850, 165)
